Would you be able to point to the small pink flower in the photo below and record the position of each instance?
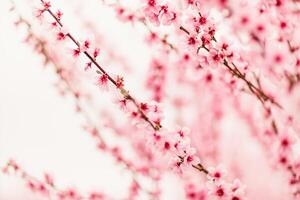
(193, 192)
(191, 42)
(166, 16)
(144, 107)
(124, 15)
(175, 163)
(11, 165)
(202, 20)
(215, 57)
(59, 14)
(199, 24)
(162, 142)
(88, 66)
(182, 146)
(285, 142)
(96, 196)
(54, 25)
(217, 173)
(152, 14)
(151, 38)
(76, 52)
(217, 190)
(237, 190)
(123, 103)
(156, 137)
(150, 3)
(188, 3)
(119, 82)
(46, 5)
(121, 13)
(183, 132)
(60, 35)
(206, 40)
(135, 117)
(96, 53)
(167, 145)
(103, 81)
(32, 186)
(49, 179)
(40, 12)
(210, 30)
(225, 48)
(85, 45)
(190, 157)
(283, 159)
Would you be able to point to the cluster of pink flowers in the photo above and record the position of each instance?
(233, 191)
(159, 13)
(47, 187)
(148, 117)
(255, 81)
(200, 41)
(65, 86)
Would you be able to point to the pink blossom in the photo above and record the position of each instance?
(85, 45)
(119, 82)
(61, 36)
(217, 174)
(103, 81)
(59, 14)
(190, 157)
(237, 190)
(76, 52)
(166, 16)
(215, 57)
(152, 14)
(218, 190)
(96, 53)
(88, 66)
